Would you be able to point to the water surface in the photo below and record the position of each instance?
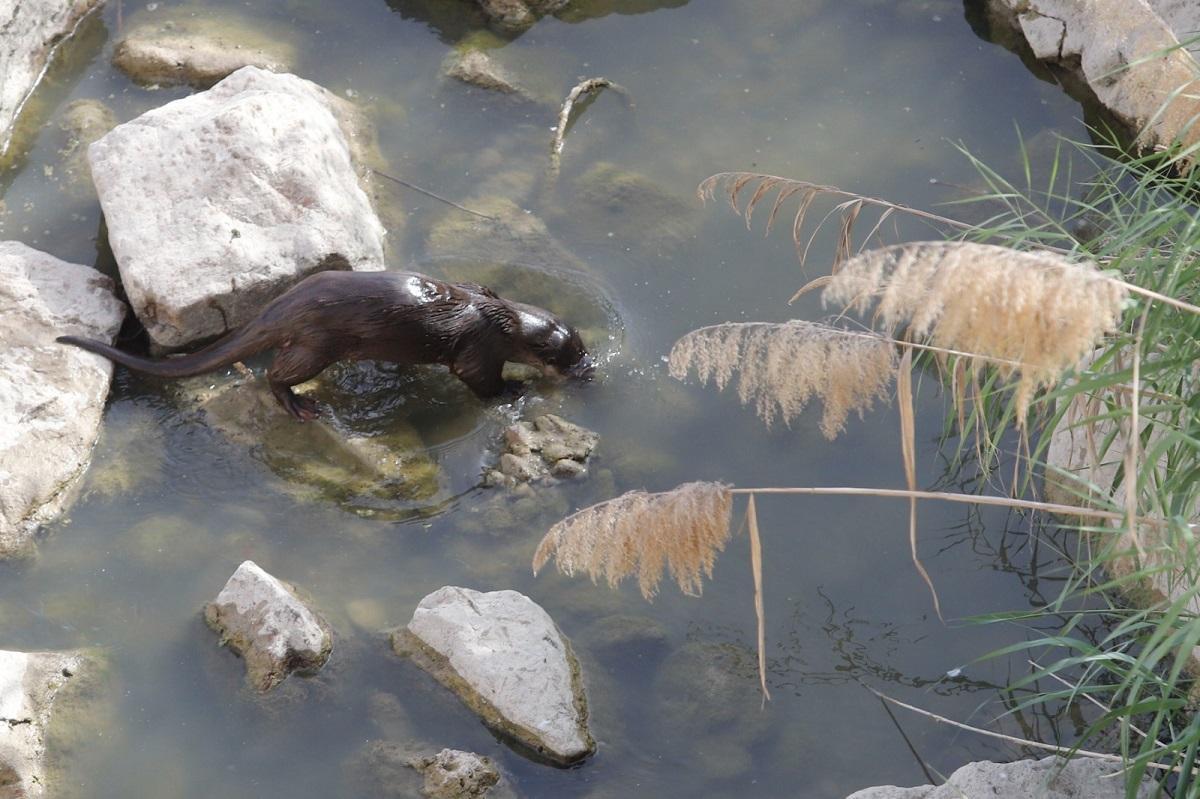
(863, 94)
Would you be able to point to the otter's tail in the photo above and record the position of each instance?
(221, 353)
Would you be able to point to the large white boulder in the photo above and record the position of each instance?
(29, 684)
(29, 32)
(51, 395)
(1123, 51)
(220, 201)
(503, 656)
(264, 620)
(1048, 778)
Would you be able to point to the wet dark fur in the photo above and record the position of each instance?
(403, 317)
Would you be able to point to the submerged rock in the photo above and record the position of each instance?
(347, 468)
(515, 16)
(711, 690)
(629, 209)
(1124, 55)
(218, 202)
(197, 49)
(30, 685)
(511, 235)
(507, 661)
(477, 68)
(31, 31)
(1048, 778)
(51, 395)
(403, 771)
(264, 620)
(549, 446)
(84, 121)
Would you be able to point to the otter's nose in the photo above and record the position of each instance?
(584, 368)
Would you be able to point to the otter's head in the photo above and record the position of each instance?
(551, 344)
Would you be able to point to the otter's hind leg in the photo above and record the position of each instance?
(294, 365)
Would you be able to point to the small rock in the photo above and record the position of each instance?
(507, 661)
(30, 683)
(517, 16)
(547, 446)
(218, 202)
(454, 774)
(51, 395)
(567, 469)
(404, 770)
(198, 50)
(1048, 778)
(262, 619)
(477, 68)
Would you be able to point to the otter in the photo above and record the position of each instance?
(402, 317)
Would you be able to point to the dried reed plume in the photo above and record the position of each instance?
(782, 365)
(682, 530)
(758, 187)
(1034, 313)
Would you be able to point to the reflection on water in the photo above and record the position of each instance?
(861, 94)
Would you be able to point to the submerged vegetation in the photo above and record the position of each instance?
(1065, 312)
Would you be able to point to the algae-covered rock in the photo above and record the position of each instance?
(352, 470)
(510, 235)
(504, 657)
(711, 690)
(367, 614)
(197, 49)
(83, 122)
(477, 68)
(129, 455)
(264, 620)
(167, 542)
(629, 209)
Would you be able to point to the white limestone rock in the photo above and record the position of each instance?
(29, 684)
(220, 201)
(1123, 52)
(51, 395)
(504, 657)
(1048, 778)
(29, 32)
(264, 620)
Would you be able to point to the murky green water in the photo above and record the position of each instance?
(864, 94)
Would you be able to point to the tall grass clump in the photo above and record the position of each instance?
(1065, 329)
